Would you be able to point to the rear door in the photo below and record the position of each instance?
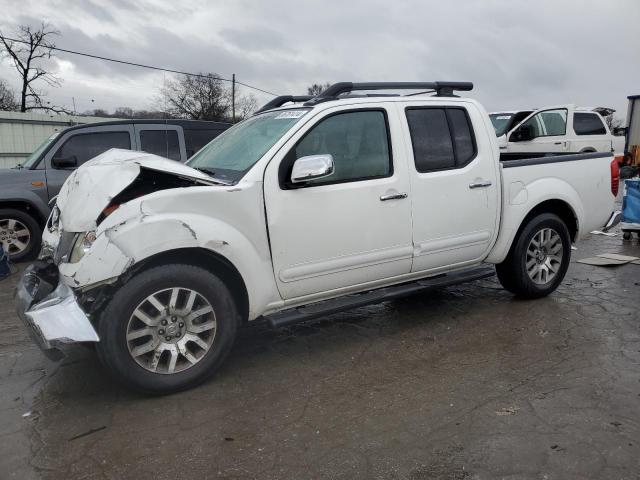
(590, 133)
(84, 144)
(352, 228)
(164, 140)
(454, 185)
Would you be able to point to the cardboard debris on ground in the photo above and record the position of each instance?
(610, 260)
(600, 232)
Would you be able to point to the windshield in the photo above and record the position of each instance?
(229, 156)
(33, 159)
(501, 122)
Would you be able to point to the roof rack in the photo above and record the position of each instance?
(441, 89)
(282, 99)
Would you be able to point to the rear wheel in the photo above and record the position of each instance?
(20, 234)
(538, 259)
(168, 329)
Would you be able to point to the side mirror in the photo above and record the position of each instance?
(619, 131)
(523, 134)
(312, 167)
(66, 162)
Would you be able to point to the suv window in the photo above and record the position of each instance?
(161, 142)
(588, 124)
(194, 140)
(358, 142)
(85, 146)
(442, 138)
(549, 123)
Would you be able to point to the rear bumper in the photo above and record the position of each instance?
(50, 311)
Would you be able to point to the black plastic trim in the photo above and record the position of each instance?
(347, 302)
(281, 100)
(525, 162)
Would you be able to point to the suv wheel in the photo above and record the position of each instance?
(538, 259)
(20, 234)
(168, 329)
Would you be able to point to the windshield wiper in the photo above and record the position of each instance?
(206, 170)
(212, 174)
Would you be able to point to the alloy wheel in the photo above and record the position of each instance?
(171, 330)
(544, 256)
(15, 237)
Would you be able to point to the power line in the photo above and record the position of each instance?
(151, 67)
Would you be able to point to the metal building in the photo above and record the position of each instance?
(21, 133)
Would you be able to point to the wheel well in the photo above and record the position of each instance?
(211, 261)
(559, 208)
(25, 207)
(588, 150)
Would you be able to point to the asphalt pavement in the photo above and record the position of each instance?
(463, 383)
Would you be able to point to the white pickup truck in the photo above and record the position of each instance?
(559, 130)
(297, 212)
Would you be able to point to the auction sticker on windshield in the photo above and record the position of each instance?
(291, 114)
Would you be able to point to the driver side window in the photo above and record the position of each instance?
(358, 141)
(548, 123)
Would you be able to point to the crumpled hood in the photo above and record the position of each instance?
(91, 187)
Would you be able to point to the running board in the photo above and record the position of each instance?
(340, 304)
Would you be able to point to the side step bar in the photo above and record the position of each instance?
(340, 304)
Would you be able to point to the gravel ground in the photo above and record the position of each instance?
(463, 383)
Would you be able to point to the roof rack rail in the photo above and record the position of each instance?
(442, 89)
(282, 99)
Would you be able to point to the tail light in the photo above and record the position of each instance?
(615, 177)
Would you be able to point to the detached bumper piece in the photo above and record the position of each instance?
(50, 310)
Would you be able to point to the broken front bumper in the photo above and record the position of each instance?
(50, 310)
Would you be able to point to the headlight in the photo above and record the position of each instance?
(81, 246)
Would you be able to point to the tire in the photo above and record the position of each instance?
(19, 246)
(118, 327)
(513, 273)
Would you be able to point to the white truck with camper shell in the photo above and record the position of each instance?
(558, 130)
(299, 211)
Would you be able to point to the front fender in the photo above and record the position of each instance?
(125, 244)
(519, 200)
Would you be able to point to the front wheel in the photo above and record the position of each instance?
(538, 259)
(20, 234)
(168, 329)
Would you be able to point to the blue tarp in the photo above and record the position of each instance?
(631, 201)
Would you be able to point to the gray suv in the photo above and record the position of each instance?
(26, 190)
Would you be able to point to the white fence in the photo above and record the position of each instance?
(21, 133)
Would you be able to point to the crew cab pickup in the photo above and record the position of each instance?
(299, 211)
(558, 130)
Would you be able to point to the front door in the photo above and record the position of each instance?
(350, 228)
(455, 186)
(549, 129)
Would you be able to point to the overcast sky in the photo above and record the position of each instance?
(519, 54)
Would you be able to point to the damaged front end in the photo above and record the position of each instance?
(50, 310)
(60, 296)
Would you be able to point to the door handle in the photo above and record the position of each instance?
(481, 184)
(393, 196)
(557, 143)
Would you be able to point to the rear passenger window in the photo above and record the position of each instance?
(161, 142)
(442, 138)
(588, 124)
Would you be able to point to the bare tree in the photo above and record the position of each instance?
(317, 88)
(196, 97)
(613, 122)
(245, 106)
(7, 97)
(28, 53)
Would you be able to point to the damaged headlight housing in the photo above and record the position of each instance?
(81, 246)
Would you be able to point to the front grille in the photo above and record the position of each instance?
(65, 244)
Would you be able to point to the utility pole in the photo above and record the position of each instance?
(233, 98)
